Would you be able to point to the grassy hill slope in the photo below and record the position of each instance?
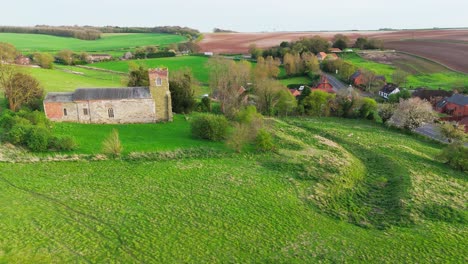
(338, 190)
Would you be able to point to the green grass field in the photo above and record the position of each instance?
(296, 80)
(135, 137)
(29, 43)
(196, 63)
(62, 78)
(337, 191)
(423, 73)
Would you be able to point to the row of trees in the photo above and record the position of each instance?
(315, 45)
(93, 33)
(85, 33)
(295, 64)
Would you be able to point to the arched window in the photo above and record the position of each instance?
(110, 112)
(65, 112)
(158, 81)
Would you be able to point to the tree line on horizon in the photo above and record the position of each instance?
(93, 33)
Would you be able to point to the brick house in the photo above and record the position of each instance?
(455, 105)
(324, 85)
(114, 105)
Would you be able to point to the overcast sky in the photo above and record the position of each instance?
(240, 15)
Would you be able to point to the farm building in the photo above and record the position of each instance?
(388, 90)
(432, 96)
(22, 60)
(114, 105)
(455, 105)
(99, 57)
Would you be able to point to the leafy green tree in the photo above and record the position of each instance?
(368, 108)
(453, 131)
(182, 93)
(318, 103)
(254, 51)
(138, 76)
(403, 94)
(286, 103)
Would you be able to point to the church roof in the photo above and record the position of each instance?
(85, 94)
(58, 97)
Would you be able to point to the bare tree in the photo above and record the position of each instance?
(21, 89)
(8, 52)
(228, 80)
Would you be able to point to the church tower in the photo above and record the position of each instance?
(159, 88)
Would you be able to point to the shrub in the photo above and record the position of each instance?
(112, 145)
(368, 108)
(65, 143)
(38, 139)
(264, 141)
(455, 155)
(239, 137)
(205, 104)
(386, 111)
(209, 126)
(18, 134)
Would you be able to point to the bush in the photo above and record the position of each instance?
(455, 155)
(368, 108)
(209, 126)
(18, 134)
(112, 146)
(38, 139)
(239, 137)
(161, 54)
(62, 143)
(264, 141)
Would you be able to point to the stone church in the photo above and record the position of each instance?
(114, 105)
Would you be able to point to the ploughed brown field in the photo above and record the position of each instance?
(449, 47)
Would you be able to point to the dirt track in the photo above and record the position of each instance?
(449, 47)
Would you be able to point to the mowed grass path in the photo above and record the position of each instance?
(135, 137)
(196, 63)
(29, 43)
(238, 208)
(423, 75)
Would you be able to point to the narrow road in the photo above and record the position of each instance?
(430, 130)
(337, 84)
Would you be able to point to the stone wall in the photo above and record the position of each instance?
(161, 93)
(124, 111)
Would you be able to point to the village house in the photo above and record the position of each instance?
(388, 90)
(324, 85)
(321, 56)
(114, 105)
(455, 105)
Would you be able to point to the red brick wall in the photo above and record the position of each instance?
(54, 110)
(458, 109)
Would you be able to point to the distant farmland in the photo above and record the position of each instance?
(29, 43)
(449, 47)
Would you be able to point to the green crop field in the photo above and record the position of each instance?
(422, 73)
(29, 43)
(336, 191)
(196, 63)
(68, 78)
